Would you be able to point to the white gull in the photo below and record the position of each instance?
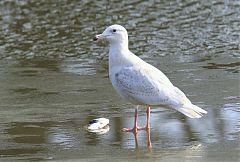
(139, 82)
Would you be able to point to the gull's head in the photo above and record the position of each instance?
(113, 34)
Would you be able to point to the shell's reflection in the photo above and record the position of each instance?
(100, 131)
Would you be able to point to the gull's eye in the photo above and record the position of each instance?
(114, 30)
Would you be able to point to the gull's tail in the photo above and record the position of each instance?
(191, 110)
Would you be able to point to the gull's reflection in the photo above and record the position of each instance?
(149, 144)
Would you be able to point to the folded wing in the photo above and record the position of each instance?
(145, 87)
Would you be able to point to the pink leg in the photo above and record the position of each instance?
(135, 127)
(148, 118)
(147, 127)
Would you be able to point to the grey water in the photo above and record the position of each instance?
(54, 79)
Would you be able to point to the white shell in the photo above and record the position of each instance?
(97, 124)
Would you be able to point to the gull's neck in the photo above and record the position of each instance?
(118, 53)
(121, 45)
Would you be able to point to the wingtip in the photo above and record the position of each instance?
(192, 111)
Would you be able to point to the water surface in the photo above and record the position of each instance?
(54, 79)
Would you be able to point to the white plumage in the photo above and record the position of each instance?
(140, 82)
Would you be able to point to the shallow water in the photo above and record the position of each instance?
(54, 79)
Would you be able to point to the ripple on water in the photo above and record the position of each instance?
(53, 80)
(80, 66)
